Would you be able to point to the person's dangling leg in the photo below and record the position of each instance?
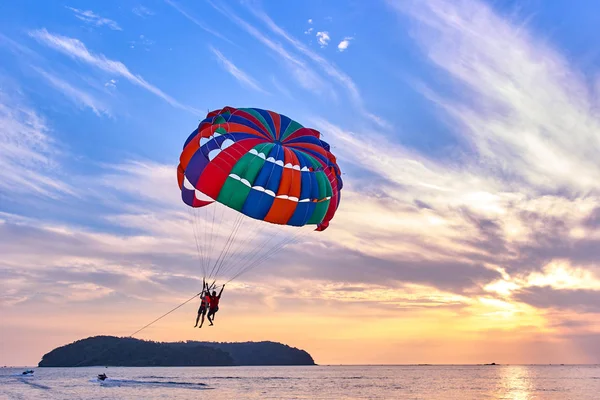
(203, 314)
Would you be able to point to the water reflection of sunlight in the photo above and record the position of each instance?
(515, 383)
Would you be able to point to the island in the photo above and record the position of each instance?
(129, 352)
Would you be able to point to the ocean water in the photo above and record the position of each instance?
(513, 382)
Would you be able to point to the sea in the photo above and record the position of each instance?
(427, 382)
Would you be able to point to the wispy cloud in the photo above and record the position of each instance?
(303, 74)
(326, 66)
(79, 97)
(77, 50)
(237, 73)
(142, 11)
(323, 38)
(343, 45)
(92, 18)
(17, 48)
(281, 88)
(528, 120)
(196, 21)
(27, 152)
(111, 84)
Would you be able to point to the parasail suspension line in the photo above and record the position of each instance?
(165, 314)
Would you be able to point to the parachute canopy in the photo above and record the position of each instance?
(263, 166)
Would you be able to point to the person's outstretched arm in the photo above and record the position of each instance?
(221, 290)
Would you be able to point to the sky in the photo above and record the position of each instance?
(468, 134)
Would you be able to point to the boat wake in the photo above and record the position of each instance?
(33, 384)
(132, 382)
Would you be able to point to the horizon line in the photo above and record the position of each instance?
(326, 365)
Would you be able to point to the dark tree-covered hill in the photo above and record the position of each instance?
(261, 353)
(130, 352)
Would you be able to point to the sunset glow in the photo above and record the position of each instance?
(468, 137)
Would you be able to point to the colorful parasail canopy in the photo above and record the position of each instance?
(263, 165)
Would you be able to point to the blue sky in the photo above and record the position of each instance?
(467, 133)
